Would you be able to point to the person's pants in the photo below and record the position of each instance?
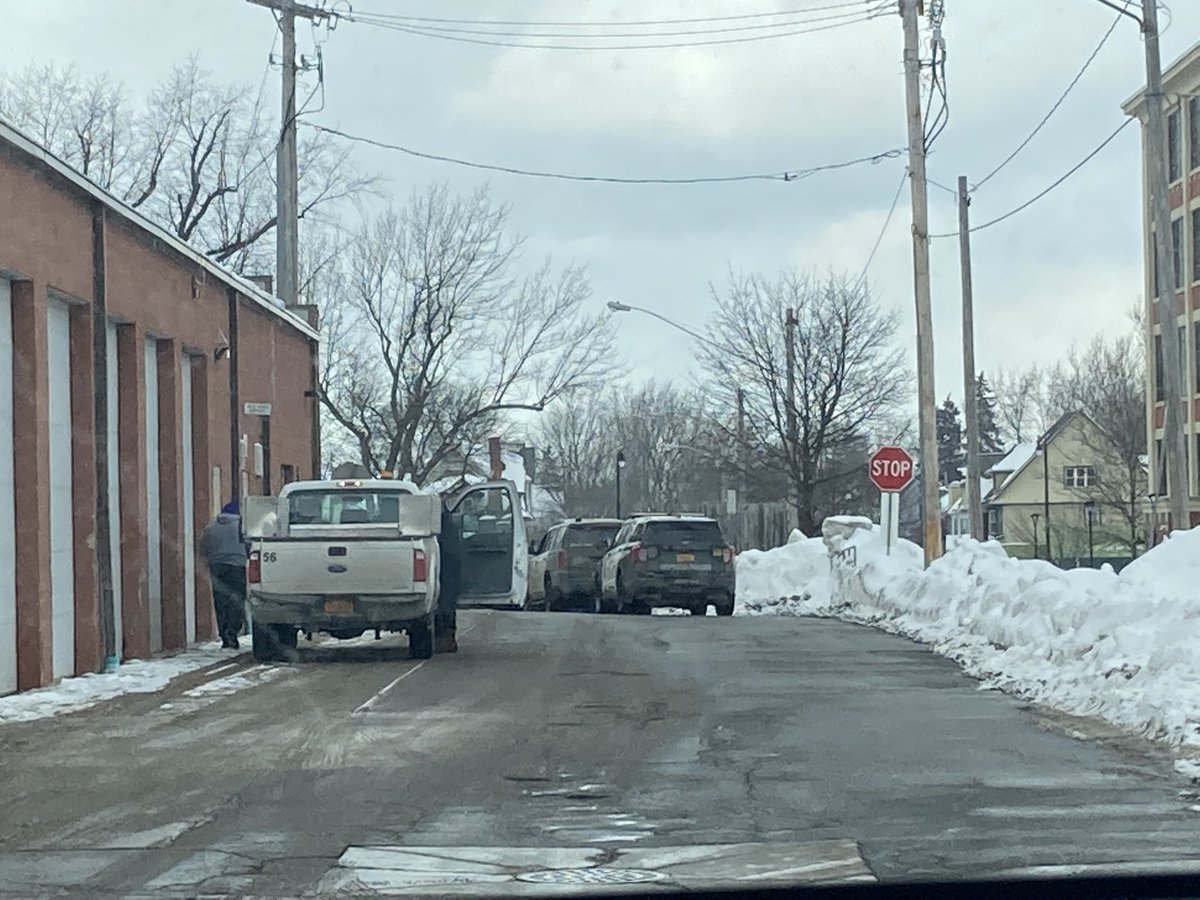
(229, 599)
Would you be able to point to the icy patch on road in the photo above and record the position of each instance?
(1124, 647)
(84, 691)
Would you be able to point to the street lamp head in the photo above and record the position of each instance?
(620, 458)
(616, 306)
(1035, 517)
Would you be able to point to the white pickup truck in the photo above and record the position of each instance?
(346, 557)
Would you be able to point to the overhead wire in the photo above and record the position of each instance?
(882, 231)
(1034, 199)
(858, 19)
(577, 23)
(1057, 103)
(788, 175)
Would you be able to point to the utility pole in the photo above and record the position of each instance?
(287, 196)
(1174, 441)
(970, 399)
(740, 455)
(931, 520)
(789, 344)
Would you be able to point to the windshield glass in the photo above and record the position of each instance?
(343, 507)
(589, 535)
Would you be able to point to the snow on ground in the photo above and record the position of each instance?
(1124, 647)
(137, 677)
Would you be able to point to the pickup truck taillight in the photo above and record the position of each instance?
(254, 568)
(728, 554)
(562, 560)
(420, 565)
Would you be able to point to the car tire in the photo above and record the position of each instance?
(421, 638)
(551, 600)
(725, 608)
(624, 601)
(286, 635)
(699, 609)
(264, 643)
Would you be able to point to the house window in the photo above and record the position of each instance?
(1177, 253)
(1160, 470)
(1158, 367)
(1196, 245)
(1194, 131)
(995, 522)
(1174, 147)
(1079, 476)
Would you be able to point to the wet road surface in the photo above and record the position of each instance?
(560, 751)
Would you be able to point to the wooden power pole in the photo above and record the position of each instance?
(927, 405)
(970, 395)
(287, 196)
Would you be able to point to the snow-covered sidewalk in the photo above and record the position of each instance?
(1124, 647)
(81, 692)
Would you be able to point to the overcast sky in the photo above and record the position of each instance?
(1064, 268)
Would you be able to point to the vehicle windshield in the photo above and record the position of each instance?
(589, 535)
(344, 507)
(682, 534)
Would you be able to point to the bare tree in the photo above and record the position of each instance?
(431, 333)
(1019, 400)
(849, 379)
(196, 156)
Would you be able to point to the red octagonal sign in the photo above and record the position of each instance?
(890, 468)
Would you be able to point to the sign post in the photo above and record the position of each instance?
(891, 470)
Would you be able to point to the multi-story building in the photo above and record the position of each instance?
(1181, 85)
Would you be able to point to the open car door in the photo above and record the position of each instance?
(483, 546)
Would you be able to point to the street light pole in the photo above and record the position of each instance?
(620, 466)
(1034, 518)
(1089, 510)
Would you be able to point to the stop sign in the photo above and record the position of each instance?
(890, 468)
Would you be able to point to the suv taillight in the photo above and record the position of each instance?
(254, 568)
(562, 560)
(420, 565)
(728, 554)
(637, 553)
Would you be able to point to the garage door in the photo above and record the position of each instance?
(114, 480)
(62, 545)
(8, 550)
(189, 500)
(153, 509)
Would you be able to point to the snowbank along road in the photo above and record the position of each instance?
(573, 750)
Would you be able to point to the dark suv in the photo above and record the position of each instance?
(562, 567)
(675, 561)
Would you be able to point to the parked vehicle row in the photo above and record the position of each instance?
(633, 566)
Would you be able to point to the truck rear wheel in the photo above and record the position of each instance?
(265, 643)
(420, 638)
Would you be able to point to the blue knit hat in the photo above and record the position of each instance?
(230, 508)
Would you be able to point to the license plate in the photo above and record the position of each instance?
(685, 557)
(339, 607)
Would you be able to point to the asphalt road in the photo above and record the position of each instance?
(562, 748)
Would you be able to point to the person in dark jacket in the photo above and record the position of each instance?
(224, 551)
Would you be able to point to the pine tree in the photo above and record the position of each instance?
(985, 410)
(951, 457)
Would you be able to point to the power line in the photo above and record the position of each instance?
(605, 35)
(845, 4)
(1053, 109)
(612, 47)
(882, 231)
(1034, 199)
(792, 175)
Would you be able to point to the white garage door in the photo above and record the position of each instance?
(153, 511)
(8, 550)
(189, 500)
(114, 480)
(62, 544)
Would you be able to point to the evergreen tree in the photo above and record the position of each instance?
(985, 410)
(951, 457)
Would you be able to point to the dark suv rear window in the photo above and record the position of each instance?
(588, 535)
(682, 534)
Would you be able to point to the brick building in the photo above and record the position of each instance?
(1181, 85)
(126, 361)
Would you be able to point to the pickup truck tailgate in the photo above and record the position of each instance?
(357, 567)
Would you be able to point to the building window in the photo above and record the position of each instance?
(1159, 467)
(1177, 253)
(1079, 476)
(1174, 147)
(1194, 131)
(287, 473)
(1196, 337)
(1196, 244)
(995, 522)
(1158, 367)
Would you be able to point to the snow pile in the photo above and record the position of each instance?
(1091, 642)
(137, 677)
(789, 580)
